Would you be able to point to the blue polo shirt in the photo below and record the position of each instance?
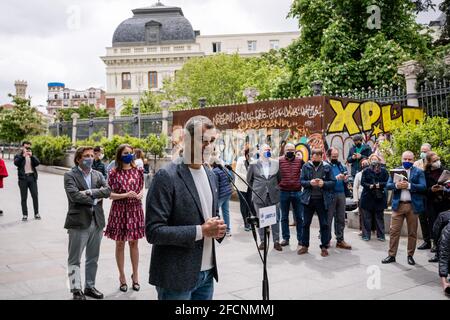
(339, 186)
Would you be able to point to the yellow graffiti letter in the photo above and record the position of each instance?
(344, 117)
(370, 113)
(390, 124)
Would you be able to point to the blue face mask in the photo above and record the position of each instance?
(86, 164)
(267, 154)
(128, 158)
(407, 165)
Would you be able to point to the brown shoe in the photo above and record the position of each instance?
(343, 245)
(284, 243)
(302, 250)
(261, 246)
(277, 246)
(324, 252)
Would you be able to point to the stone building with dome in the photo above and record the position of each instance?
(156, 41)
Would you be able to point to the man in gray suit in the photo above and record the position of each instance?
(85, 189)
(182, 220)
(263, 176)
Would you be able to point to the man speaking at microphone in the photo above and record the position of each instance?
(182, 220)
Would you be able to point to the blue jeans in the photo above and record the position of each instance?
(286, 198)
(203, 290)
(224, 205)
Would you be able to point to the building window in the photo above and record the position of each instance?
(217, 47)
(251, 45)
(152, 79)
(126, 80)
(274, 44)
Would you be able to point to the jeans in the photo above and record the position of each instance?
(315, 205)
(29, 182)
(337, 211)
(203, 290)
(224, 205)
(286, 198)
(244, 209)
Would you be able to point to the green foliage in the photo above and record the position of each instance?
(337, 47)
(84, 111)
(152, 144)
(150, 103)
(435, 131)
(21, 121)
(49, 149)
(222, 79)
(96, 139)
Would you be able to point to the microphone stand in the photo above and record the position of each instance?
(254, 222)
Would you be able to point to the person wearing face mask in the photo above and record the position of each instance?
(242, 164)
(264, 176)
(98, 164)
(424, 148)
(336, 210)
(357, 153)
(318, 183)
(407, 203)
(85, 220)
(436, 202)
(126, 218)
(373, 197)
(290, 191)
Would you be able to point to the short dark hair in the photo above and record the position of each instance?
(193, 122)
(79, 154)
(97, 149)
(357, 137)
(319, 152)
(26, 142)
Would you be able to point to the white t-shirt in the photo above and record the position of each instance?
(206, 200)
(406, 194)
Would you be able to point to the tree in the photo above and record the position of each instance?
(222, 79)
(337, 47)
(84, 111)
(156, 145)
(445, 36)
(150, 103)
(21, 121)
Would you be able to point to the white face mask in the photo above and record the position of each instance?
(101, 156)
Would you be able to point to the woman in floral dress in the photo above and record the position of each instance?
(126, 218)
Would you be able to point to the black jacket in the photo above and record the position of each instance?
(356, 163)
(441, 221)
(374, 199)
(81, 206)
(19, 162)
(444, 252)
(99, 166)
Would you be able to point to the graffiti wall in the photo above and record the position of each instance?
(314, 122)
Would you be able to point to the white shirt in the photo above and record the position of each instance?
(28, 167)
(266, 168)
(241, 170)
(206, 200)
(406, 195)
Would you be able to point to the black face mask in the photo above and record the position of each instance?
(316, 163)
(334, 161)
(290, 155)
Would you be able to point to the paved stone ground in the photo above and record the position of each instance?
(33, 260)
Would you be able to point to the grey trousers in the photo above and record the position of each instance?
(275, 227)
(337, 211)
(79, 240)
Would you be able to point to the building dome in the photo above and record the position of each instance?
(154, 25)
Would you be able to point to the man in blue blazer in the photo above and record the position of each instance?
(408, 202)
(182, 221)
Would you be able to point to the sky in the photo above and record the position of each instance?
(45, 41)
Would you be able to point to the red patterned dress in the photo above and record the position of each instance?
(126, 218)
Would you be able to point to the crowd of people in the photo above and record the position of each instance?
(188, 206)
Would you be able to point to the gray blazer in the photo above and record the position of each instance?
(258, 181)
(81, 207)
(173, 211)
